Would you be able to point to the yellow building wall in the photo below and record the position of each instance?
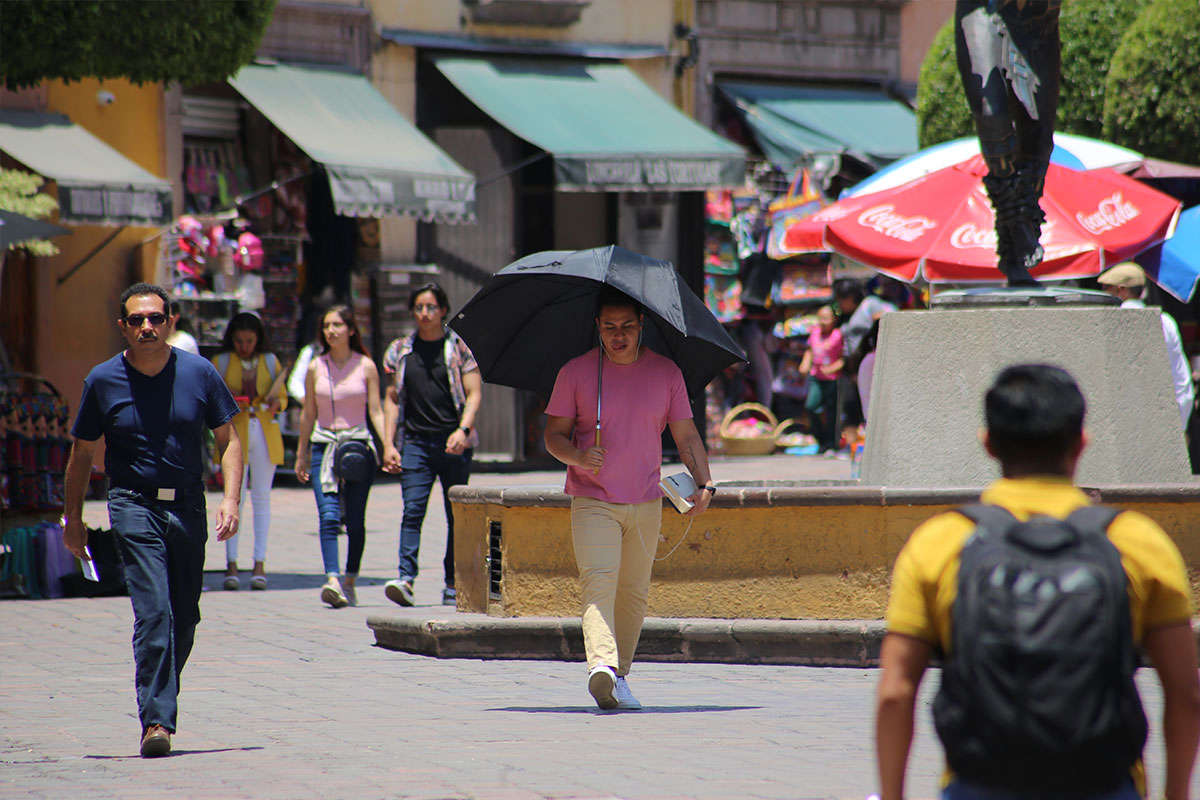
(394, 74)
(625, 21)
(919, 23)
(76, 312)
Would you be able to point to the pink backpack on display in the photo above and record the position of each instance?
(249, 253)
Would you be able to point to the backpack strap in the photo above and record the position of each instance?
(272, 366)
(989, 518)
(1093, 518)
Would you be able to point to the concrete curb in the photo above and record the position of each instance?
(813, 643)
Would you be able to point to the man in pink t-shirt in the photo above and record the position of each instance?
(616, 505)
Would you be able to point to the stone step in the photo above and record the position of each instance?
(815, 643)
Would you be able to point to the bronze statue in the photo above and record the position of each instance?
(1009, 59)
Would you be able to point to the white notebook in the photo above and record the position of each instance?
(678, 488)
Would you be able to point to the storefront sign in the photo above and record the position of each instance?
(647, 173)
(383, 194)
(102, 204)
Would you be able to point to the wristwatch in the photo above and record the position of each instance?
(465, 429)
(710, 488)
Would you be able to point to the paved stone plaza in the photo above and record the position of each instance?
(286, 698)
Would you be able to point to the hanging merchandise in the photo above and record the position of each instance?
(34, 442)
(795, 324)
(802, 200)
(722, 295)
(249, 252)
(804, 281)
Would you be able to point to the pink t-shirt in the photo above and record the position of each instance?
(639, 400)
(348, 395)
(825, 351)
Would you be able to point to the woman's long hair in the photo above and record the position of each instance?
(346, 314)
(245, 321)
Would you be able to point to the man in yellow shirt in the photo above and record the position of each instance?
(1034, 416)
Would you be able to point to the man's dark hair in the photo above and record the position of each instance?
(609, 297)
(1034, 415)
(245, 321)
(139, 289)
(848, 287)
(439, 294)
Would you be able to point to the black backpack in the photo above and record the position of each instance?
(1037, 692)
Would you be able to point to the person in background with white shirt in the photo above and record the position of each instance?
(1127, 281)
(180, 336)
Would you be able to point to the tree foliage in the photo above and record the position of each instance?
(942, 110)
(145, 41)
(19, 192)
(1153, 90)
(1091, 30)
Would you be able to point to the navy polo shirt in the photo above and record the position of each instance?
(153, 426)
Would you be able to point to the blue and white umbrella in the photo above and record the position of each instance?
(1175, 264)
(1075, 152)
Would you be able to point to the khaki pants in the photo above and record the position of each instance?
(615, 545)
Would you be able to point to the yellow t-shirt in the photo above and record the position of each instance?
(925, 579)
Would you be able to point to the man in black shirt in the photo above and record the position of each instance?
(429, 413)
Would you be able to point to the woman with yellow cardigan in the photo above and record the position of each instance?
(256, 379)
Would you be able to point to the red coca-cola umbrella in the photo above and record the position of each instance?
(940, 227)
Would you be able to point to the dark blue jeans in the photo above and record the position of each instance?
(423, 459)
(348, 505)
(162, 547)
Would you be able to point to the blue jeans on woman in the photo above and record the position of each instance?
(348, 505)
(423, 459)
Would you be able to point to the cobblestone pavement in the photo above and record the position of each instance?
(285, 698)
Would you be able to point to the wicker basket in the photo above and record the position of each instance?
(748, 445)
(784, 437)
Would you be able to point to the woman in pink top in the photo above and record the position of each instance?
(823, 362)
(341, 392)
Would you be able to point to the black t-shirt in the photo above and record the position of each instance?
(428, 405)
(153, 426)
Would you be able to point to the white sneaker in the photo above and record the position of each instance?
(625, 698)
(601, 682)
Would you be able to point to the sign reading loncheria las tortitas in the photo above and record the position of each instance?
(1009, 59)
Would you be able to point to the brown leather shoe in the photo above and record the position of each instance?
(156, 741)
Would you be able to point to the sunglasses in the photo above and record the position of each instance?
(136, 320)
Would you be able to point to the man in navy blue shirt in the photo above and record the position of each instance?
(152, 404)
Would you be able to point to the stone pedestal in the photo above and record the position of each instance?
(933, 367)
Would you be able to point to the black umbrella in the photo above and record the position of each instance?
(538, 313)
(16, 228)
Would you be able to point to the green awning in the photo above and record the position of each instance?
(794, 123)
(96, 184)
(605, 128)
(377, 161)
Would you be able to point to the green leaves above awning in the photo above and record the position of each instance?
(606, 129)
(793, 123)
(96, 184)
(378, 163)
